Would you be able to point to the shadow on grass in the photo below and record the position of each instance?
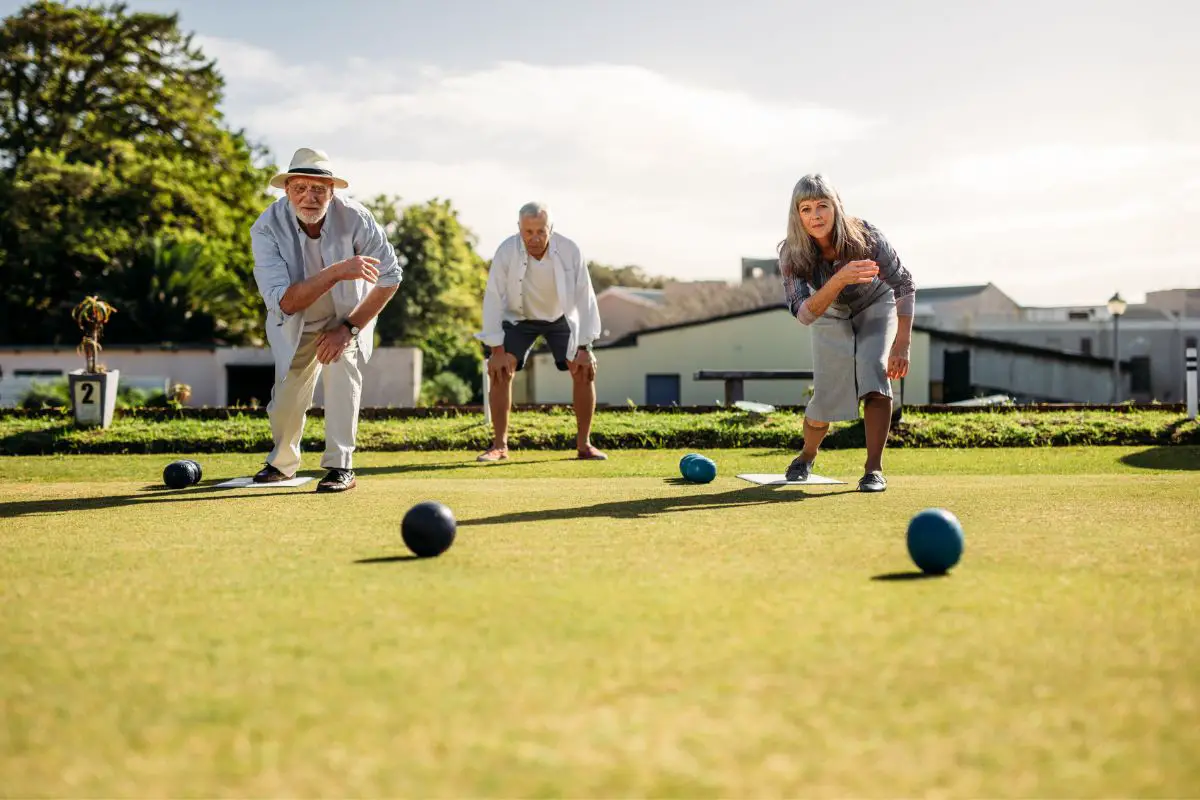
(470, 463)
(1177, 457)
(651, 506)
(206, 490)
(901, 577)
(390, 559)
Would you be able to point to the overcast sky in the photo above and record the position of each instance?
(1050, 146)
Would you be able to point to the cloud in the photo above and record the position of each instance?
(1057, 167)
(685, 179)
(638, 167)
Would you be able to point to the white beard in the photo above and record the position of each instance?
(308, 218)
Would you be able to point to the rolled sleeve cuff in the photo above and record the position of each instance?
(906, 305)
(274, 299)
(491, 339)
(389, 279)
(805, 315)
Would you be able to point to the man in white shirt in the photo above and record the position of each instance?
(539, 286)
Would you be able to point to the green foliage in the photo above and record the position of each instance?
(110, 140)
(445, 388)
(604, 276)
(240, 431)
(182, 291)
(46, 394)
(439, 306)
(57, 395)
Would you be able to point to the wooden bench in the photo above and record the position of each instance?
(735, 386)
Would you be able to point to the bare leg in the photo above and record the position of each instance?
(877, 417)
(814, 434)
(500, 401)
(584, 399)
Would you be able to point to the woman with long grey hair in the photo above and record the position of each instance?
(843, 279)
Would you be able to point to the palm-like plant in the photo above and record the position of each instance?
(91, 315)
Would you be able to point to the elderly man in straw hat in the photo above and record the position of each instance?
(325, 269)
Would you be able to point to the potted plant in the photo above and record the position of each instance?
(93, 388)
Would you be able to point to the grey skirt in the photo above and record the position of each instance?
(850, 355)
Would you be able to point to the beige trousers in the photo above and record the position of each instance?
(291, 399)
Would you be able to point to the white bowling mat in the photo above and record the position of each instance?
(248, 483)
(779, 480)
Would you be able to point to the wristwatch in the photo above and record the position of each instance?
(354, 329)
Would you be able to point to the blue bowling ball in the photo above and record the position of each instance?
(700, 470)
(683, 462)
(935, 540)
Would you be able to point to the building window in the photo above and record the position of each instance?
(1085, 345)
(662, 390)
(1139, 374)
(1078, 315)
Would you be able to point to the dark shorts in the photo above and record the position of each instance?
(520, 337)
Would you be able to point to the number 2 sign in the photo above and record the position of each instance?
(88, 409)
(93, 404)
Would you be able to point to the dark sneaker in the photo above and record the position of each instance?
(798, 470)
(337, 480)
(872, 482)
(269, 474)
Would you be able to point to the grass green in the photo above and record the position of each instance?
(222, 431)
(599, 629)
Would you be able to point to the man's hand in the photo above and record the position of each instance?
(352, 269)
(501, 365)
(897, 366)
(584, 365)
(856, 272)
(332, 343)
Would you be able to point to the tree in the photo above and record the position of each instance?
(439, 306)
(110, 139)
(604, 276)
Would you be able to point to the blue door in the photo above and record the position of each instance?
(662, 390)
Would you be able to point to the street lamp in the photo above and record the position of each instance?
(1116, 307)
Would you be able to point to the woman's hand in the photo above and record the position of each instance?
(853, 272)
(897, 366)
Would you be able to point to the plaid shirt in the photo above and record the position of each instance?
(893, 277)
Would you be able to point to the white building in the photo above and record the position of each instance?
(218, 376)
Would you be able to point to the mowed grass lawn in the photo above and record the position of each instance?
(599, 630)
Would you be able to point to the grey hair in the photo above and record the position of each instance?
(799, 254)
(535, 209)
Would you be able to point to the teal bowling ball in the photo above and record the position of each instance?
(935, 540)
(683, 462)
(700, 470)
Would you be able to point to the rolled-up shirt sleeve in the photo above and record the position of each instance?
(895, 275)
(270, 270)
(797, 293)
(370, 239)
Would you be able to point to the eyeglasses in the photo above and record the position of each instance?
(317, 190)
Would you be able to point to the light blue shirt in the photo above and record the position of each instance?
(349, 230)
